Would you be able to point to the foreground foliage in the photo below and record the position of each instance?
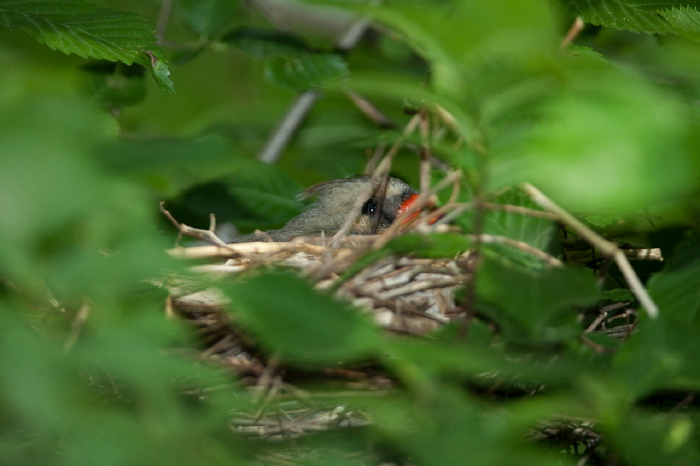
(606, 126)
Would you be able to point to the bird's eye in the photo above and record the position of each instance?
(370, 207)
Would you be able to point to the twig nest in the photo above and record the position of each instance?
(403, 294)
(413, 296)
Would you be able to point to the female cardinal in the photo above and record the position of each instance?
(335, 201)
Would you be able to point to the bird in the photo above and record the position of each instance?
(335, 202)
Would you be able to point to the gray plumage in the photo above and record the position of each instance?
(335, 202)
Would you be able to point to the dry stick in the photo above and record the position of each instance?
(410, 127)
(606, 247)
(272, 15)
(163, 18)
(272, 150)
(376, 154)
(76, 326)
(417, 206)
(455, 193)
(380, 194)
(519, 210)
(370, 111)
(206, 235)
(381, 170)
(495, 239)
(425, 155)
(573, 33)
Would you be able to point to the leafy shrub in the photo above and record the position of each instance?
(603, 124)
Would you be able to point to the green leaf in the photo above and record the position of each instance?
(306, 71)
(664, 353)
(433, 245)
(604, 128)
(207, 18)
(535, 231)
(602, 219)
(617, 14)
(264, 43)
(685, 21)
(650, 17)
(267, 190)
(675, 289)
(170, 166)
(618, 295)
(161, 73)
(114, 85)
(303, 325)
(534, 305)
(89, 31)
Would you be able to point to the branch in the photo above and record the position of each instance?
(206, 235)
(573, 33)
(163, 18)
(606, 247)
(495, 239)
(272, 150)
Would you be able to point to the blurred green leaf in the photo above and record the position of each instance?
(674, 289)
(535, 306)
(431, 430)
(305, 72)
(90, 31)
(264, 43)
(160, 72)
(650, 17)
(620, 135)
(602, 220)
(650, 439)
(535, 231)
(207, 18)
(300, 323)
(114, 86)
(684, 19)
(91, 372)
(433, 245)
(267, 190)
(663, 353)
(170, 166)
(618, 295)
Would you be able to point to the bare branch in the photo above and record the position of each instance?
(273, 149)
(573, 33)
(206, 235)
(163, 18)
(606, 247)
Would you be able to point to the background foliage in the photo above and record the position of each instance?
(92, 139)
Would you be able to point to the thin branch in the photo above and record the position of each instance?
(410, 127)
(419, 204)
(288, 126)
(573, 33)
(604, 246)
(495, 239)
(281, 136)
(355, 211)
(425, 155)
(519, 210)
(77, 326)
(370, 111)
(206, 235)
(163, 18)
(242, 249)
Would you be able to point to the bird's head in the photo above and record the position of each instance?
(336, 200)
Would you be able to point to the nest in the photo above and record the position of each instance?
(405, 295)
(409, 296)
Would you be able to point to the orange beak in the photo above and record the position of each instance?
(407, 205)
